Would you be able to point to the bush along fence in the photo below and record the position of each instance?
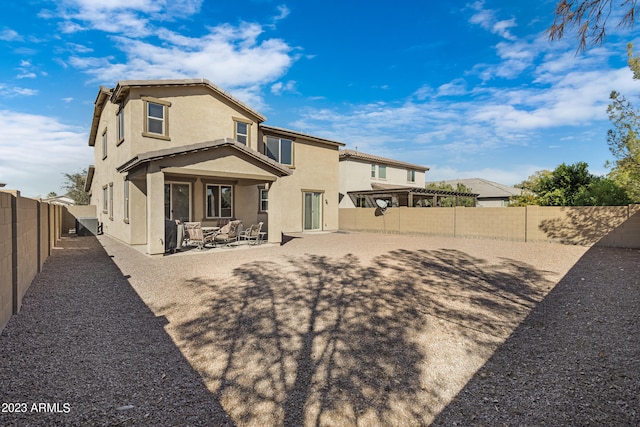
(617, 226)
(29, 230)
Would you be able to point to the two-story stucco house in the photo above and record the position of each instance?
(187, 150)
(365, 177)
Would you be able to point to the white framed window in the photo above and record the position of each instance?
(111, 200)
(378, 171)
(411, 175)
(280, 150)
(126, 201)
(105, 199)
(120, 121)
(219, 199)
(156, 118)
(382, 172)
(264, 199)
(104, 144)
(242, 132)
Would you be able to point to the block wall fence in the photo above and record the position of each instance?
(29, 230)
(616, 226)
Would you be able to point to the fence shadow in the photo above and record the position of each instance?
(313, 340)
(572, 361)
(84, 338)
(586, 225)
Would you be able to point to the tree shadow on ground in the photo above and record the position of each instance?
(574, 361)
(584, 225)
(314, 340)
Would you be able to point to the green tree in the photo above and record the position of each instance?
(590, 18)
(74, 184)
(447, 202)
(570, 185)
(602, 192)
(624, 138)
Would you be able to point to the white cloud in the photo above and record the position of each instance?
(226, 55)
(13, 91)
(487, 19)
(131, 17)
(10, 35)
(281, 87)
(283, 12)
(443, 129)
(30, 141)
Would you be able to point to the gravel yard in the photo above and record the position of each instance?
(330, 329)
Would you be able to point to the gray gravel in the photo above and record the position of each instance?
(329, 329)
(86, 344)
(575, 361)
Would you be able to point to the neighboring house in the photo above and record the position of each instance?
(60, 200)
(186, 150)
(364, 174)
(490, 194)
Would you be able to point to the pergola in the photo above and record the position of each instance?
(406, 196)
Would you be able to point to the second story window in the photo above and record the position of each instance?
(378, 171)
(280, 150)
(411, 175)
(242, 132)
(120, 118)
(156, 120)
(104, 144)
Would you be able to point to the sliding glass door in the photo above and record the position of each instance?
(312, 211)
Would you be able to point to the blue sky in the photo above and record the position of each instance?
(468, 88)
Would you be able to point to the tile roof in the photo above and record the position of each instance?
(359, 155)
(484, 188)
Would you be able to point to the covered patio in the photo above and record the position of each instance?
(211, 183)
(406, 196)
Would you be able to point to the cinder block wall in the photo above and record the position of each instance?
(29, 230)
(617, 226)
(6, 276)
(27, 245)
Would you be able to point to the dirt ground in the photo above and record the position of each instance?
(334, 329)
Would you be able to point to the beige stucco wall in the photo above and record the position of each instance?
(355, 175)
(315, 170)
(197, 114)
(617, 226)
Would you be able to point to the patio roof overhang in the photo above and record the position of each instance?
(410, 192)
(238, 177)
(181, 161)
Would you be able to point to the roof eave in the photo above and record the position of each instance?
(295, 134)
(209, 145)
(123, 87)
(98, 106)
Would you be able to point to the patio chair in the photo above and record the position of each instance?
(195, 236)
(253, 234)
(229, 233)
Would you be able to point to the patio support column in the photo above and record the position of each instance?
(155, 211)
